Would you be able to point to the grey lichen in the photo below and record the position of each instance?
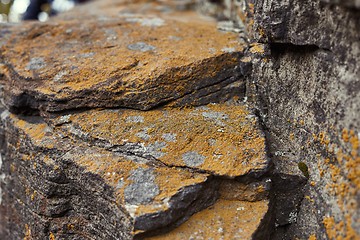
(193, 159)
(36, 63)
(143, 188)
(141, 46)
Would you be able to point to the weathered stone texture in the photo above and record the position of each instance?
(78, 183)
(309, 99)
(79, 164)
(131, 60)
(307, 87)
(115, 173)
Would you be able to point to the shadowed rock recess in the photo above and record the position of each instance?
(123, 121)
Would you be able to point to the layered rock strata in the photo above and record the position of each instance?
(80, 157)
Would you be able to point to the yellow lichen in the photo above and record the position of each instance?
(312, 237)
(27, 233)
(52, 236)
(257, 48)
(32, 197)
(309, 199)
(292, 136)
(237, 145)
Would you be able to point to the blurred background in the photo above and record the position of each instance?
(17, 10)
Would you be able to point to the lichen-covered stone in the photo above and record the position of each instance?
(308, 92)
(224, 220)
(77, 163)
(65, 178)
(220, 139)
(305, 81)
(131, 60)
(149, 197)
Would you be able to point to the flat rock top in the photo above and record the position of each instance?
(224, 220)
(131, 60)
(221, 139)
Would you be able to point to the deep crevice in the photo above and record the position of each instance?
(281, 48)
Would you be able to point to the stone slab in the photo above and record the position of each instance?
(133, 60)
(224, 220)
(221, 139)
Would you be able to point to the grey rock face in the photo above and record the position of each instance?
(309, 97)
(306, 80)
(347, 3)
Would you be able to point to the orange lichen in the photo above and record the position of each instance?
(36, 132)
(226, 139)
(345, 135)
(340, 230)
(52, 236)
(343, 170)
(257, 48)
(224, 220)
(27, 233)
(188, 59)
(312, 237)
(323, 139)
(114, 169)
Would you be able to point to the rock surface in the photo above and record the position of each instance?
(224, 220)
(223, 140)
(77, 163)
(309, 91)
(306, 85)
(87, 166)
(132, 60)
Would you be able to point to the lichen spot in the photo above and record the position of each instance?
(228, 49)
(175, 38)
(143, 188)
(169, 137)
(135, 119)
(36, 63)
(60, 75)
(141, 46)
(148, 22)
(156, 149)
(193, 159)
(143, 135)
(217, 117)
